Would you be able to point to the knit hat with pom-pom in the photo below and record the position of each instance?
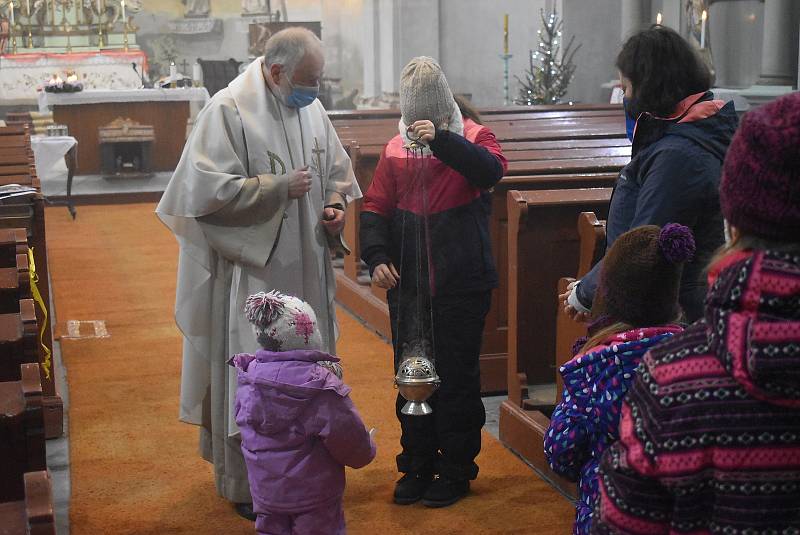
(641, 275)
(283, 322)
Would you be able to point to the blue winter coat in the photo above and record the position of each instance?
(673, 177)
(585, 422)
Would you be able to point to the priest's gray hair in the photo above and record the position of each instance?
(288, 47)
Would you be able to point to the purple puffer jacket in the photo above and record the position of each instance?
(299, 429)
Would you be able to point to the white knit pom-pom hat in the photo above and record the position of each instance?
(283, 322)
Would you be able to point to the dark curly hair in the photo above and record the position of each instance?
(663, 69)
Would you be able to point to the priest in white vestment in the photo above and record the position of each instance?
(250, 206)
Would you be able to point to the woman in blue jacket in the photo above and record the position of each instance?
(680, 135)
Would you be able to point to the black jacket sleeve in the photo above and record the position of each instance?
(478, 165)
(375, 237)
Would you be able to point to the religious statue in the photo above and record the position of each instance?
(4, 33)
(113, 10)
(89, 11)
(256, 7)
(39, 12)
(196, 8)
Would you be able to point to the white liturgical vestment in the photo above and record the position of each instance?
(239, 233)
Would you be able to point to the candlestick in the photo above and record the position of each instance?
(658, 19)
(173, 74)
(505, 34)
(505, 58)
(703, 18)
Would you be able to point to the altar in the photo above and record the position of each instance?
(21, 74)
(166, 110)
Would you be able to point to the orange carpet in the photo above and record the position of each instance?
(135, 467)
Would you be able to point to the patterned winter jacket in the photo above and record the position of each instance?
(585, 422)
(710, 431)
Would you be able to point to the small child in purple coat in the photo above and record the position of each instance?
(299, 427)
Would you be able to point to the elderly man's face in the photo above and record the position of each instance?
(308, 72)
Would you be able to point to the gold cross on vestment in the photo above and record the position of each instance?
(318, 152)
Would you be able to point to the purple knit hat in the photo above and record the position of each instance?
(760, 188)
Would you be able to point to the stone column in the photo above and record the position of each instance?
(633, 17)
(396, 31)
(370, 46)
(781, 36)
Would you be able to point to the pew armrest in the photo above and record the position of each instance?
(39, 503)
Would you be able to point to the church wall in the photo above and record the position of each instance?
(597, 25)
(471, 42)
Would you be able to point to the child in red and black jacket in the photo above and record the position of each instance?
(432, 203)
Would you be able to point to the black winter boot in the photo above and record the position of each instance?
(445, 491)
(411, 487)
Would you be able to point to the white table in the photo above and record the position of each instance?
(49, 153)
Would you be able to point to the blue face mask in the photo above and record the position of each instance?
(301, 96)
(630, 121)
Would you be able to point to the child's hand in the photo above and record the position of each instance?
(385, 276)
(423, 131)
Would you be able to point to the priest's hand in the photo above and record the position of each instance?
(299, 182)
(385, 276)
(333, 220)
(422, 130)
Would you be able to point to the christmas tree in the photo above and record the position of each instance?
(547, 78)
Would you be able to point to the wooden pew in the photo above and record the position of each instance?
(19, 336)
(22, 446)
(34, 514)
(543, 242)
(28, 213)
(592, 235)
(15, 283)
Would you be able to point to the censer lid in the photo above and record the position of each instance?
(416, 370)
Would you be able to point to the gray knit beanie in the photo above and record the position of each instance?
(425, 94)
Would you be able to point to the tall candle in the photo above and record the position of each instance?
(197, 73)
(28, 5)
(124, 19)
(12, 14)
(99, 7)
(658, 19)
(505, 34)
(703, 18)
(173, 72)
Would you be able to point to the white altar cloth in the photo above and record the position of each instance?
(21, 74)
(97, 96)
